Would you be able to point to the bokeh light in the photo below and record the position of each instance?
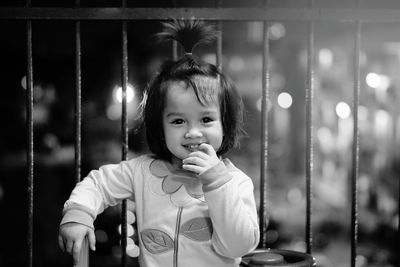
(372, 79)
(130, 217)
(382, 122)
(130, 93)
(258, 104)
(129, 230)
(378, 81)
(277, 31)
(101, 236)
(23, 82)
(132, 250)
(131, 205)
(285, 100)
(325, 58)
(326, 139)
(343, 110)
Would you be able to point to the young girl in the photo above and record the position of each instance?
(193, 208)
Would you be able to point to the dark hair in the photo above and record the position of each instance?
(204, 78)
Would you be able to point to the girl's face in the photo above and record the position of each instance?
(187, 123)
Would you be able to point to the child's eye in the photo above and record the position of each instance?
(177, 121)
(207, 120)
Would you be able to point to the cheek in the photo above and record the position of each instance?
(167, 134)
(219, 136)
(167, 129)
(171, 135)
(168, 140)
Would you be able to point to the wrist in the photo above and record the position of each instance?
(77, 216)
(215, 177)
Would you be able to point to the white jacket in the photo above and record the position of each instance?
(180, 221)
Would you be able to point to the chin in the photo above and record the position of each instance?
(181, 156)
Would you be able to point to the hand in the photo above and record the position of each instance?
(71, 236)
(202, 160)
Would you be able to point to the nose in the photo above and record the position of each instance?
(193, 132)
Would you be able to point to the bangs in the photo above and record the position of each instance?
(207, 89)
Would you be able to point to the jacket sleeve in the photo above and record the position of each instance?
(104, 187)
(232, 210)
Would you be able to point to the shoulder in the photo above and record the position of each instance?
(135, 164)
(142, 161)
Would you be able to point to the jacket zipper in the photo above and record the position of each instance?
(178, 226)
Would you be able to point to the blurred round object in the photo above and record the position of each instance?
(278, 258)
(132, 250)
(267, 258)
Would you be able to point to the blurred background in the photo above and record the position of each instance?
(54, 86)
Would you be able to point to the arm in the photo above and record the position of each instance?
(230, 199)
(100, 189)
(233, 212)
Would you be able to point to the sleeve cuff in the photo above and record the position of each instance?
(215, 177)
(77, 216)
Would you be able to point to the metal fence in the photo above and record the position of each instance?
(355, 15)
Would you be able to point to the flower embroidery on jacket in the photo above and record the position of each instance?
(183, 186)
(198, 229)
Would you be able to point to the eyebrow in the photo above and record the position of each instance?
(204, 113)
(174, 114)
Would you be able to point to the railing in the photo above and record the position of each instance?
(310, 15)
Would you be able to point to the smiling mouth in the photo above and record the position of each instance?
(192, 147)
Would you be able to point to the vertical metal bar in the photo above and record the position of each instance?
(174, 43)
(219, 40)
(264, 136)
(84, 255)
(29, 123)
(124, 130)
(356, 142)
(356, 145)
(124, 82)
(309, 131)
(78, 100)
